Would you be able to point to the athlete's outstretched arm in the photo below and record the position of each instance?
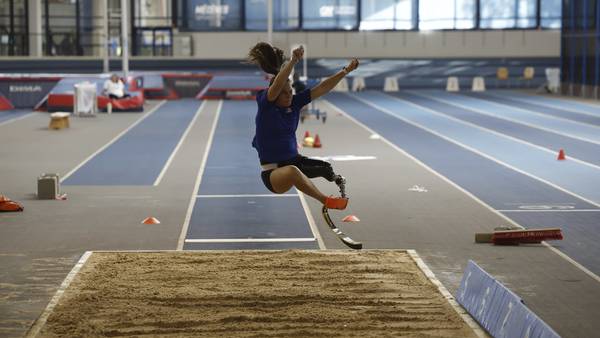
(282, 77)
(328, 84)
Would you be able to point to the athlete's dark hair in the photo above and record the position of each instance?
(267, 57)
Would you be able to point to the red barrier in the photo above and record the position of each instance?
(5, 104)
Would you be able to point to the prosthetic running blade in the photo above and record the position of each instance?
(342, 236)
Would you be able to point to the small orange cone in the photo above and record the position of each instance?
(561, 155)
(350, 218)
(7, 206)
(151, 220)
(317, 143)
(306, 134)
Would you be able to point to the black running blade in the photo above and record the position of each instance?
(352, 243)
(342, 236)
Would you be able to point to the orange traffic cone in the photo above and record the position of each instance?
(561, 155)
(317, 143)
(7, 205)
(306, 134)
(350, 218)
(151, 220)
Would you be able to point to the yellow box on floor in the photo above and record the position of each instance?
(59, 121)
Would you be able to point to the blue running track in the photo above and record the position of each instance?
(550, 123)
(582, 150)
(576, 177)
(8, 115)
(566, 104)
(500, 187)
(233, 209)
(138, 157)
(558, 112)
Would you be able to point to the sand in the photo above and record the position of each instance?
(253, 294)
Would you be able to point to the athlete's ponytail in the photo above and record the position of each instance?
(267, 57)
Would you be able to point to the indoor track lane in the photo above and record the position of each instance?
(585, 151)
(496, 185)
(232, 208)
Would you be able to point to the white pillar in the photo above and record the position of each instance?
(305, 64)
(104, 37)
(124, 38)
(35, 27)
(270, 21)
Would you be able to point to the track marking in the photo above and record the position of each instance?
(188, 215)
(39, 323)
(483, 112)
(112, 141)
(248, 195)
(16, 119)
(470, 124)
(550, 210)
(249, 240)
(459, 309)
(185, 133)
(311, 221)
(475, 198)
(489, 157)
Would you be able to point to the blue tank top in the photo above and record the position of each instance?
(275, 138)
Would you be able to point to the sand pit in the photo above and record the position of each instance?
(253, 294)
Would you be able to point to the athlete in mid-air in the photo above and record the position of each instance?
(276, 123)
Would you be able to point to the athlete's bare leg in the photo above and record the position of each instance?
(284, 178)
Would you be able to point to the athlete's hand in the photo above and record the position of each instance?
(297, 54)
(351, 66)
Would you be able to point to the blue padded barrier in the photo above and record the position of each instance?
(497, 309)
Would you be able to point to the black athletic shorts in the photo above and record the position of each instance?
(310, 167)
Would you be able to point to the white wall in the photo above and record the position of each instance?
(433, 44)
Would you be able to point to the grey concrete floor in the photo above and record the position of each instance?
(39, 246)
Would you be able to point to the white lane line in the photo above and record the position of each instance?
(475, 198)
(188, 215)
(246, 196)
(187, 130)
(39, 323)
(249, 240)
(483, 112)
(551, 210)
(112, 141)
(537, 113)
(311, 221)
(470, 124)
(16, 119)
(459, 309)
(489, 157)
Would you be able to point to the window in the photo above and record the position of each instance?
(286, 15)
(13, 28)
(206, 15)
(551, 12)
(152, 13)
(251, 15)
(508, 13)
(586, 14)
(457, 14)
(61, 36)
(386, 14)
(329, 14)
